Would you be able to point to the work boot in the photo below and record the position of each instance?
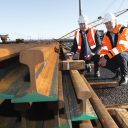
(82, 71)
(88, 68)
(97, 74)
(123, 81)
(96, 70)
(117, 75)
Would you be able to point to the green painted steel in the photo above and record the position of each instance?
(33, 97)
(88, 115)
(20, 92)
(84, 116)
(4, 96)
(25, 94)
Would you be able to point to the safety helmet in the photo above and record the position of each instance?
(83, 19)
(109, 17)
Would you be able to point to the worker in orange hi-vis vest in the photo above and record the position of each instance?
(86, 44)
(114, 50)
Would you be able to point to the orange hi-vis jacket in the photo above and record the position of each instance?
(121, 44)
(90, 38)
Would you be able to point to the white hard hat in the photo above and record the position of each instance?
(83, 19)
(109, 17)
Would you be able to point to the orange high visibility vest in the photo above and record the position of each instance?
(90, 37)
(121, 46)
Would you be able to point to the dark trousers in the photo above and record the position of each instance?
(119, 61)
(95, 59)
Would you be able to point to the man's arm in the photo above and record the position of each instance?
(98, 42)
(122, 45)
(74, 46)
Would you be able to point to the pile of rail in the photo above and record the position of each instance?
(40, 87)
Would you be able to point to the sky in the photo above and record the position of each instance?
(48, 19)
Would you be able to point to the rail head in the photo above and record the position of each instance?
(81, 89)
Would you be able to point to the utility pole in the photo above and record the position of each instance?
(79, 7)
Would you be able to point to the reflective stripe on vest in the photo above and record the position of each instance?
(90, 37)
(122, 43)
(79, 40)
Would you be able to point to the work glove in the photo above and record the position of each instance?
(102, 62)
(70, 54)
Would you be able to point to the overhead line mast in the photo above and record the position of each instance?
(80, 8)
(80, 13)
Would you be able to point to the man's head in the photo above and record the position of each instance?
(110, 21)
(83, 22)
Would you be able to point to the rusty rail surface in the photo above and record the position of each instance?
(43, 69)
(11, 50)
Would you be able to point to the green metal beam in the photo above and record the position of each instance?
(33, 97)
(84, 116)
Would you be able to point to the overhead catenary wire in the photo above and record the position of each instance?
(109, 6)
(95, 23)
(121, 4)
